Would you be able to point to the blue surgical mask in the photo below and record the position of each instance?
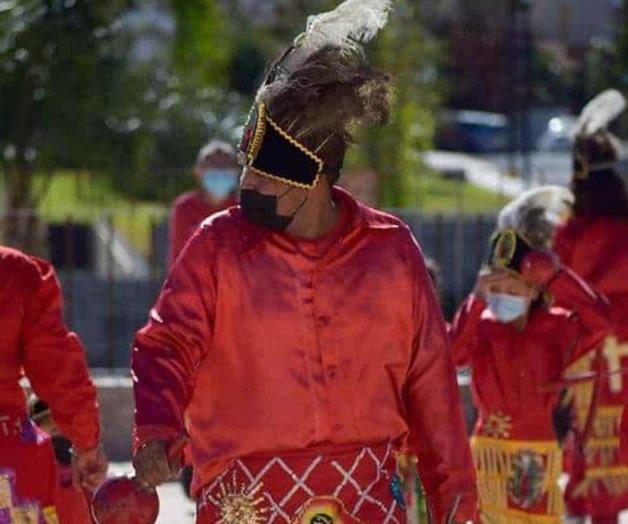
(219, 183)
(507, 308)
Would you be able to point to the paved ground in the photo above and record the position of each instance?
(175, 508)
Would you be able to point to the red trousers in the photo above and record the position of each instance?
(357, 486)
(28, 471)
(71, 502)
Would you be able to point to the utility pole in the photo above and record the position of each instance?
(518, 71)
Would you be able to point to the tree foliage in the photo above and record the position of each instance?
(406, 51)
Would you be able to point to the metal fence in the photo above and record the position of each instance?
(111, 275)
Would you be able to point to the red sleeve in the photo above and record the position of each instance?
(563, 244)
(570, 292)
(463, 330)
(431, 394)
(54, 361)
(168, 349)
(623, 435)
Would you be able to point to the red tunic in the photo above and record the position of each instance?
(597, 249)
(188, 211)
(28, 472)
(516, 377)
(512, 369)
(261, 343)
(35, 342)
(71, 501)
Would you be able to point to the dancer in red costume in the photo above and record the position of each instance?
(594, 243)
(217, 173)
(519, 346)
(297, 339)
(71, 500)
(35, 342)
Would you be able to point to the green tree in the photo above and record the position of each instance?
(405, 50)
(201, 48)
(55, 73)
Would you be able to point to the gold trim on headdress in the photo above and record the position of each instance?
(505, 248)
(248, 157)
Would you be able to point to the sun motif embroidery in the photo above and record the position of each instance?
(239, 505)
(497, 425)
(325, 510)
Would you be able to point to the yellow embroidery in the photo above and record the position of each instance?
(613, 353)
(497, 425)
(6, 494)
(25, 515)
(50, 516)
(238, 505)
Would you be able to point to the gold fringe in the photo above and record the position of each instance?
(607, 421)
(613, 480)
(494, 462)
(602, 448)
(602, 454)
(494, 515)
(50, 516)
(613, 353)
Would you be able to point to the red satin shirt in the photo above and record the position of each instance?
(35, 342)
(597, 250)
(263, 343)
(188, 211)
(518, 373)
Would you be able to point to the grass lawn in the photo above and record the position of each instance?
(82, 197)
(436, 195)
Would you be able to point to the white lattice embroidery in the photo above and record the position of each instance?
(277, 512)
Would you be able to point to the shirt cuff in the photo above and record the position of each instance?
(144, 434)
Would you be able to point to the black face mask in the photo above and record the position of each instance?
(262, 209)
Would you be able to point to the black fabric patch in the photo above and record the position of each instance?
(281, 158)
(522, 249)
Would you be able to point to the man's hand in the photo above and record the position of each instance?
(152, 467)
(90, 468)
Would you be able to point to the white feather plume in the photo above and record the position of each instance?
(352, 23)
(537, 212)
(599, 113)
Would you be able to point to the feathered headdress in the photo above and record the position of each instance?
(319, 87)
(536, 213)
(596, 148)
(347, 28)
(599, 113)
